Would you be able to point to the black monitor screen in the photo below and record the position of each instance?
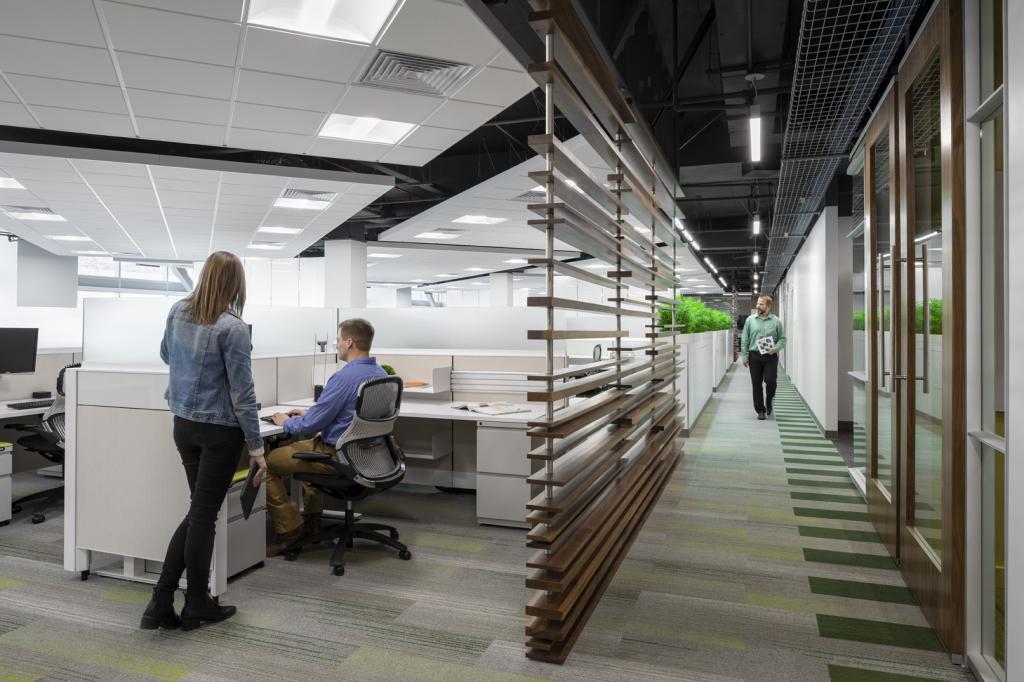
(18, 349)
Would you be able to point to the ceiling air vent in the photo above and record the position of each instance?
(311, 195)
(409, 72)
(534, 196)
(27, 209)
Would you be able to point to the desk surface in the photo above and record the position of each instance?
(271, 429)
(442, 409)
(8, 413)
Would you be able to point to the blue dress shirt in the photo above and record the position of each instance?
(333, 412)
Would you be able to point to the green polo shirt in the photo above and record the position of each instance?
(755, 327)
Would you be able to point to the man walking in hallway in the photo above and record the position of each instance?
(760, 344)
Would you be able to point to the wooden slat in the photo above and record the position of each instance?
(582, 408)
(571, 388)
(570, 304)
(573, 370)
(573, 271)
(559, 334)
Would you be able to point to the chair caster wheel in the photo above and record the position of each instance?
(15, 508)
(5, 523)
(38, 518)
(259, 565)
(394, 535)
(291, 556)
(338, 570)
(405, 555)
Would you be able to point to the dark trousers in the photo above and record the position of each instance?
(210, 454)
(763, 370)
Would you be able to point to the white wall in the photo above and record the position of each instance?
(44, 279)
(283, 281)
(811, 309)
(8, 273)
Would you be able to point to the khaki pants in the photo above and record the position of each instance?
(284, 513)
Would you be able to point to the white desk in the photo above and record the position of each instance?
(7, 458)
(499, 446)
(11, 413)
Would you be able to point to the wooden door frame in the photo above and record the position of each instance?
(883, 121)
(939, 589)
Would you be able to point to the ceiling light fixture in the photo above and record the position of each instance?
(479, 220)
(364, 129)
(595, 266)
(711, 265)
(755, 133)
(353, 20)
(384, 255)
(757, 258)
(517, 261)
(302, 204)
(10, 183)
(926, 237)
(92, 253)
(475, 269)
(436, 235)
(444, 274)
(68, 238)
(695, 245)
(267, 246)
(417, 280)
(756, 224)
(271, 229)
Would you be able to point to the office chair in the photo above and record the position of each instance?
(47, 439)
(596, 355)
(368, 462)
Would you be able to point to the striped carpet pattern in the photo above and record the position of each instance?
(756, 564)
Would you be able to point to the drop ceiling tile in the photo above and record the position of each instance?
(497, 87)
(427, 137)
(14, 114)
(276, 119)
(174, 75)
(439, 29)
(346, 149)
(78, 121)
(186, 174)
(301, 55)
(180, 131)
(226, 10)
(244, 138)
(56, 60)
(504, 60)
(78, 23)
(258, 87)
(409, 156)
(464, 115)
(168, 34)
(179, 107)
(69, 94)
(390, 105)
(114, 182)
(87, 166)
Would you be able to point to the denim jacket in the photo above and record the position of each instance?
(211, 372)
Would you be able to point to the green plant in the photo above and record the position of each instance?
(389, 369)
(693, 317)
(934, 318)
(858, 321)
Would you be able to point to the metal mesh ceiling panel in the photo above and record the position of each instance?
(843, 55)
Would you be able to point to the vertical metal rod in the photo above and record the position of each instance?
(549, 249)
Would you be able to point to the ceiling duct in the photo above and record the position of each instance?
(412, 73)
(843, 56)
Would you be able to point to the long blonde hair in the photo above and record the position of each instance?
(221, 289)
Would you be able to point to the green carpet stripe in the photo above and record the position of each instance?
(823, 497)
(853, 589)
(878, 632)
(815, 472)
(839, 534)
(831, 514)
(844, 485)
(842, 673)
(823, 463)
(826, 556)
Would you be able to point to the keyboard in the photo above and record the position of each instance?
(30, 404)
(268, 420)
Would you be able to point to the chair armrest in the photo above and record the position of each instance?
(312, 456)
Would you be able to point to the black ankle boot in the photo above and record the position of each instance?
(160, 612)
(201, 608)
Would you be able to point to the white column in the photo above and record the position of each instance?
(45, 279)
(403, 297)
(501, 289)
(344, 274)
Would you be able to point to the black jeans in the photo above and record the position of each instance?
(210, 454)
(763, 370)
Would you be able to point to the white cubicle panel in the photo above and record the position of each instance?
(48, 366)
(455, 328)
(59, 328)
(286, 329)
(123, 331)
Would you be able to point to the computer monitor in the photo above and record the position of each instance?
(18, 350)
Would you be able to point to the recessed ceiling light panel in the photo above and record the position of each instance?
(358, 21)
(68, 238)
(271, 229)
(305, 199)
(267, 246)
(479, 220)
(10, 183)
(365, 129)
(437, 234)
(384, 255)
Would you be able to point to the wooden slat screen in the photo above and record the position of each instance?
(606, 458)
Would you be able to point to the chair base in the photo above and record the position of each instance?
(343, 535)
(49, 497)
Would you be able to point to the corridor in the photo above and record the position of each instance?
(759, 562)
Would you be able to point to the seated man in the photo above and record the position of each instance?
(322, 425)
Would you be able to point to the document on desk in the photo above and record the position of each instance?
(493, 409)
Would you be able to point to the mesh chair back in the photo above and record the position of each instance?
(367, 443)
(53, 418)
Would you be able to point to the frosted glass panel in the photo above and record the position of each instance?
(284, 282)
(283, 329)
(456, 328)
(58, 327)
(123, 331)
(311, 282)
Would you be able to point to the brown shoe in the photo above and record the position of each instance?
(313, 523)
(284, 539)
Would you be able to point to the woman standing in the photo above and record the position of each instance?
(213, 400)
